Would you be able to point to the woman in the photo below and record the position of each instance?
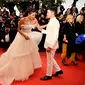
(79, 25)
(69, 38)
(68, 11)
(36, 34)
(80, 31)
(64, 44)
(22, 57)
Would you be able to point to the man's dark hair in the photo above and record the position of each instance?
(53, 8)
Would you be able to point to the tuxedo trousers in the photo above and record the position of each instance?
(51, 63)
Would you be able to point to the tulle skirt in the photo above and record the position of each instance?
(19, 61)
(36, 36)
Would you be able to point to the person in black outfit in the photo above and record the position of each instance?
(69, 38)
(6, 37)
(80, 29)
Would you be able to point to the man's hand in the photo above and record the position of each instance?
(48, 49)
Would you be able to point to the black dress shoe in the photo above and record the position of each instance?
(46, 78)
(58, 73)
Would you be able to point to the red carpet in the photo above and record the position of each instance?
(73, 75)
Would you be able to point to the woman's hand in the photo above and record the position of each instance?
(26, 37)
(65, 40)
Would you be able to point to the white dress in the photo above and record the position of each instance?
(20, 60)
(36, 36)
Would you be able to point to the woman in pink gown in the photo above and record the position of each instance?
(22, 57)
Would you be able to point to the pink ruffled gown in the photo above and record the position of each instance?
(20, 60)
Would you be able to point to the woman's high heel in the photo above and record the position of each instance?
(74, 63)
(64, 62)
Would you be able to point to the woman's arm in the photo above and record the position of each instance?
(38, 26)
(19, 29)
(41, 27)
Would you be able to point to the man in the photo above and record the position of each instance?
(51, 44)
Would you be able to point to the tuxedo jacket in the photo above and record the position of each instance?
(52, 33)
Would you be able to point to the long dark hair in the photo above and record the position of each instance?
(29, 10)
